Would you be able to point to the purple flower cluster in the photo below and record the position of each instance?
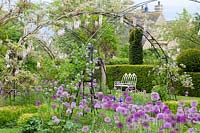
(127, 114)
(143, 116)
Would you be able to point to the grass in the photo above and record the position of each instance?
(10, 130)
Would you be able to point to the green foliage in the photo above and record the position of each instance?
(31, 125)
(196, 85)
(24, 118)
(10, 114)
(11, 30)
(123, 50)
(115, 61)
(184, 30)
(191, 59)
(150, 56)
(162, 91)
(135, 47)
(167, 75)
(173, 105)
(115, 73)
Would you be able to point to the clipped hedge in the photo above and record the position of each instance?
(191, 59)
(10, 114)
(135, 47)
(115, 73)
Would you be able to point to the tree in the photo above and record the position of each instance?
(184, 30)
(135, 47)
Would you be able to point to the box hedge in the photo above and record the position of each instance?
(144, 80)
(115, 73)
(191, 59)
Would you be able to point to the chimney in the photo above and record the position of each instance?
(158, 7)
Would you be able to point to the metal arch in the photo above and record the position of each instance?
(122, 13)
(114, 16)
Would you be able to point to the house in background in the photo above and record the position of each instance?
(153, 22)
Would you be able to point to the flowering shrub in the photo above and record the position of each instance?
(72, 113)
(165, 77)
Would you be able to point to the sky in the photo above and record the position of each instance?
(171, 8)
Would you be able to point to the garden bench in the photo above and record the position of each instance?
(128, 80)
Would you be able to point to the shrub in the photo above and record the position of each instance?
(116, 61)
(173, 105)
(31, 125)
(191, 59)
(196, 84)
(135, 47)
(10, 114)
(115, 73)
(24, 118)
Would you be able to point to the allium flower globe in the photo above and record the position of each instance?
(85, 128)
(155, 96)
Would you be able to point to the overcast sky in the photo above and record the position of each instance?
(173, 7)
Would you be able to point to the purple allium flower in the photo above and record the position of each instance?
(166, 110)
(172, 88)
(122, 110)
(65, 94)
(191, 130)
(155, 96)
(60, 88)
(69, 111)
(193, 109)
(116, 117)
(156, 109)
(107, 119)
(120, 125)
(181, 103)
(129, 99)
(172, 132)
(97, 105)
(145, 125)
(100, 95)
(80, 113)
(75, 120)
(39, 89)
(114, 106)
(1, 84)
(125, 94)
(121, 99)
(194, 103)
(181, 119)
(56, 120)
(54, 117)
(160, 131)
(81, 106)
(85, 128)
(54, 106)
(160, 116)
(54, 97)
(67, 104)
(38, 103)
(73, 104)
(107, 105)
(167, 125)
